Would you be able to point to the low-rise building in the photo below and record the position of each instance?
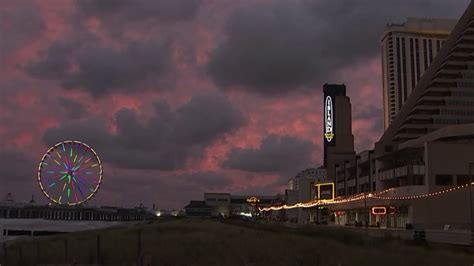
(227, 205)
(301, 188)
(197, 208)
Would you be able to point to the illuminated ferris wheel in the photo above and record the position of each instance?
(70, 173)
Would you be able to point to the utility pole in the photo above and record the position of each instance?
(365, 208)
(470, 203)
(317, 207)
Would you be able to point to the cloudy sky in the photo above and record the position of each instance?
(179, 97)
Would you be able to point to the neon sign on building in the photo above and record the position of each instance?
(379, 210)
(328, 119)
(325, 191)
(253, 200)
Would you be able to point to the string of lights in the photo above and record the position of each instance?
(315, 203)
(361, 196)
(424, 195)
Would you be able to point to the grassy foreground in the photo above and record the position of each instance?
(212, 242)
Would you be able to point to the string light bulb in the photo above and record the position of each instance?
(361, 196)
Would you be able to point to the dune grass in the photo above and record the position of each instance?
(214, 242)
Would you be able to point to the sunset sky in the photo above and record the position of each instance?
(182, 97)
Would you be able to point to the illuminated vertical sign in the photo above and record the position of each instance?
(328, 119)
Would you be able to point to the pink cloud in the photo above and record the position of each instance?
(297, 114)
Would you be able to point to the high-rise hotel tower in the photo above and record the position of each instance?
(407, 51)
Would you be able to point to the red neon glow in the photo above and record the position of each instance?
(379, 210)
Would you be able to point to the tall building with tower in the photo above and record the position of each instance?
(337, 136)
(407, 51)
(420, 170)
(420, 173)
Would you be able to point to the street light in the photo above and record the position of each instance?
(317, 206)
(470, 203)
(365, 209)
(369, 188)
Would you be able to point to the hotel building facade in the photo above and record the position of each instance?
(407, 51)
(420, 171)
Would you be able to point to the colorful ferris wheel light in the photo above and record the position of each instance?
(70, 173)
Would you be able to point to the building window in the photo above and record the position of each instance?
(399, 75)
(444, 180)
(412, 64)
(463, 93)
(383, 64)
(404, 70)
(340, 192)
(425, 53)
(465, 84)
(462, 180)
(417, 51)
(460, 103)
(430, 44)
(418, 180)
(458, 112)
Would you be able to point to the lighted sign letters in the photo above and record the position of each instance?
(253, 200)
(379, 210)
(328, 119)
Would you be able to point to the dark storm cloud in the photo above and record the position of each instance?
(8, 88)
(85, 63)
(206, 180)
(202, 116)
(93, 131)
(55, 63)
(372, 113)
(268, 47)
(368, 112)
(17, 174)
(133, 10)
(166, 141)
(16, 166)
(102, 69)
(166, 190)
(279, 45)
(279, 154)
(110, 60)
(72, 108)
(18, 26)
(377, 124)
